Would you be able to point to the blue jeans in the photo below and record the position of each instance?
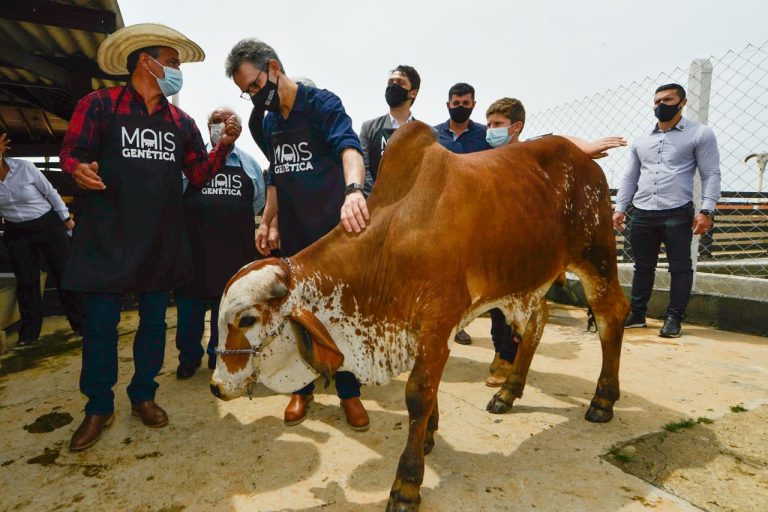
(346, 386)
(99, 372)
(191, 324)
(501, 334)
(648, 230)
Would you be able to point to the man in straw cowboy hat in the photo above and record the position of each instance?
(128, 146)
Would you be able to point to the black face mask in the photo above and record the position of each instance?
(664, 112)
(459, 114)
(267, 97)
(396, 95)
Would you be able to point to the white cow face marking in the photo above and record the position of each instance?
(252, 313)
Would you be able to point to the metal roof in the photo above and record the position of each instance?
(47, 63)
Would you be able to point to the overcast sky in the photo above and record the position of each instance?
(543, 52)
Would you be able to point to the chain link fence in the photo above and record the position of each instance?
(730, 94)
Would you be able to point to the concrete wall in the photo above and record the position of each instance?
(723, 312)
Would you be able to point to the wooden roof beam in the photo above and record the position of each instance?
(45, 12)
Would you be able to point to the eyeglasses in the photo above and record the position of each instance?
(252, 88)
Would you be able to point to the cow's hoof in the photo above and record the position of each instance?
(598, 414)
(429, 443)
(396, 504)
(497, 405)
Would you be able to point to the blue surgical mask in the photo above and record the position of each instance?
(498, 136)
(172, 82)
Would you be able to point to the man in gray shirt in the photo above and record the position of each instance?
(659, 182)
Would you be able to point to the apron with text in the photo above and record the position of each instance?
(221, 226)
(131, 237)
(310, 188)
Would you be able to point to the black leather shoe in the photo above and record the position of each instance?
(634, 320)
(671, 328)
(25, 342)
(186, 370)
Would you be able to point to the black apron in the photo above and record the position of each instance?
(376, 151)
(221, 228)
(131, 237)
(310, 188)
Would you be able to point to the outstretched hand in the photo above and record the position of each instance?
(87, 176)
(598, 148)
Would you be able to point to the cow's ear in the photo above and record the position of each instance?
(315, 344)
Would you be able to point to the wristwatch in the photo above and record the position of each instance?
(708, 213)
(353, 187)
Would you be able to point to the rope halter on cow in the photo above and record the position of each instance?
(256, 351)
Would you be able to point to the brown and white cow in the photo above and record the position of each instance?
(450, 237)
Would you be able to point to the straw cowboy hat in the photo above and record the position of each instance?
(114, 51)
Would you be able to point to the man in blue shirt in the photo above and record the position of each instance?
(459, 133)
(659, 182)
(315, 177)
(220, 221)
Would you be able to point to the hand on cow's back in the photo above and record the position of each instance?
(354, 212)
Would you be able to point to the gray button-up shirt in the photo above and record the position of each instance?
(662, 166)
(25, 194)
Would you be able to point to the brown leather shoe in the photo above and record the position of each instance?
(296, 412)
(495, 363)
(357, 416)
(151, 414)
(499, 375)
(90, 430)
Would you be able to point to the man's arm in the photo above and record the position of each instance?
(338, 133)
(267, 236)
(627, 188)
(708, 163)
(199, 165)
(47, 190)
(354, 212)
(597, 148)
(80, 146)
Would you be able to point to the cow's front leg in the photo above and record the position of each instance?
(421, 399)
(513, 387)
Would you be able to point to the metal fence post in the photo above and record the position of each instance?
(697, 109)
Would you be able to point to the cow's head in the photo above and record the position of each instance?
(260, 305)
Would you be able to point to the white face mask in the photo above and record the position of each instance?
(216, 133)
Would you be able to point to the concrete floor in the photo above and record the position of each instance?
(238, 456)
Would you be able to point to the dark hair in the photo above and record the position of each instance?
(676, 87)
(461, 89)
(411, 73)
(510, 108)
(133, 58)
(252, 50)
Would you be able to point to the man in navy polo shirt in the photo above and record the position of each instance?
(461, 135)
(315, 177)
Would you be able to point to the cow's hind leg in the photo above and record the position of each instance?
(421, 399)
(429, 438)
(610, 307)
(515, 383)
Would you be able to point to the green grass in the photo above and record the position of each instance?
(621, 457)
(738, 408)
(679, 425)
(705, 420)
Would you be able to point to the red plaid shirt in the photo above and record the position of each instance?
(83, 138)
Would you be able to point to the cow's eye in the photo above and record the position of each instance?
(246, 321)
